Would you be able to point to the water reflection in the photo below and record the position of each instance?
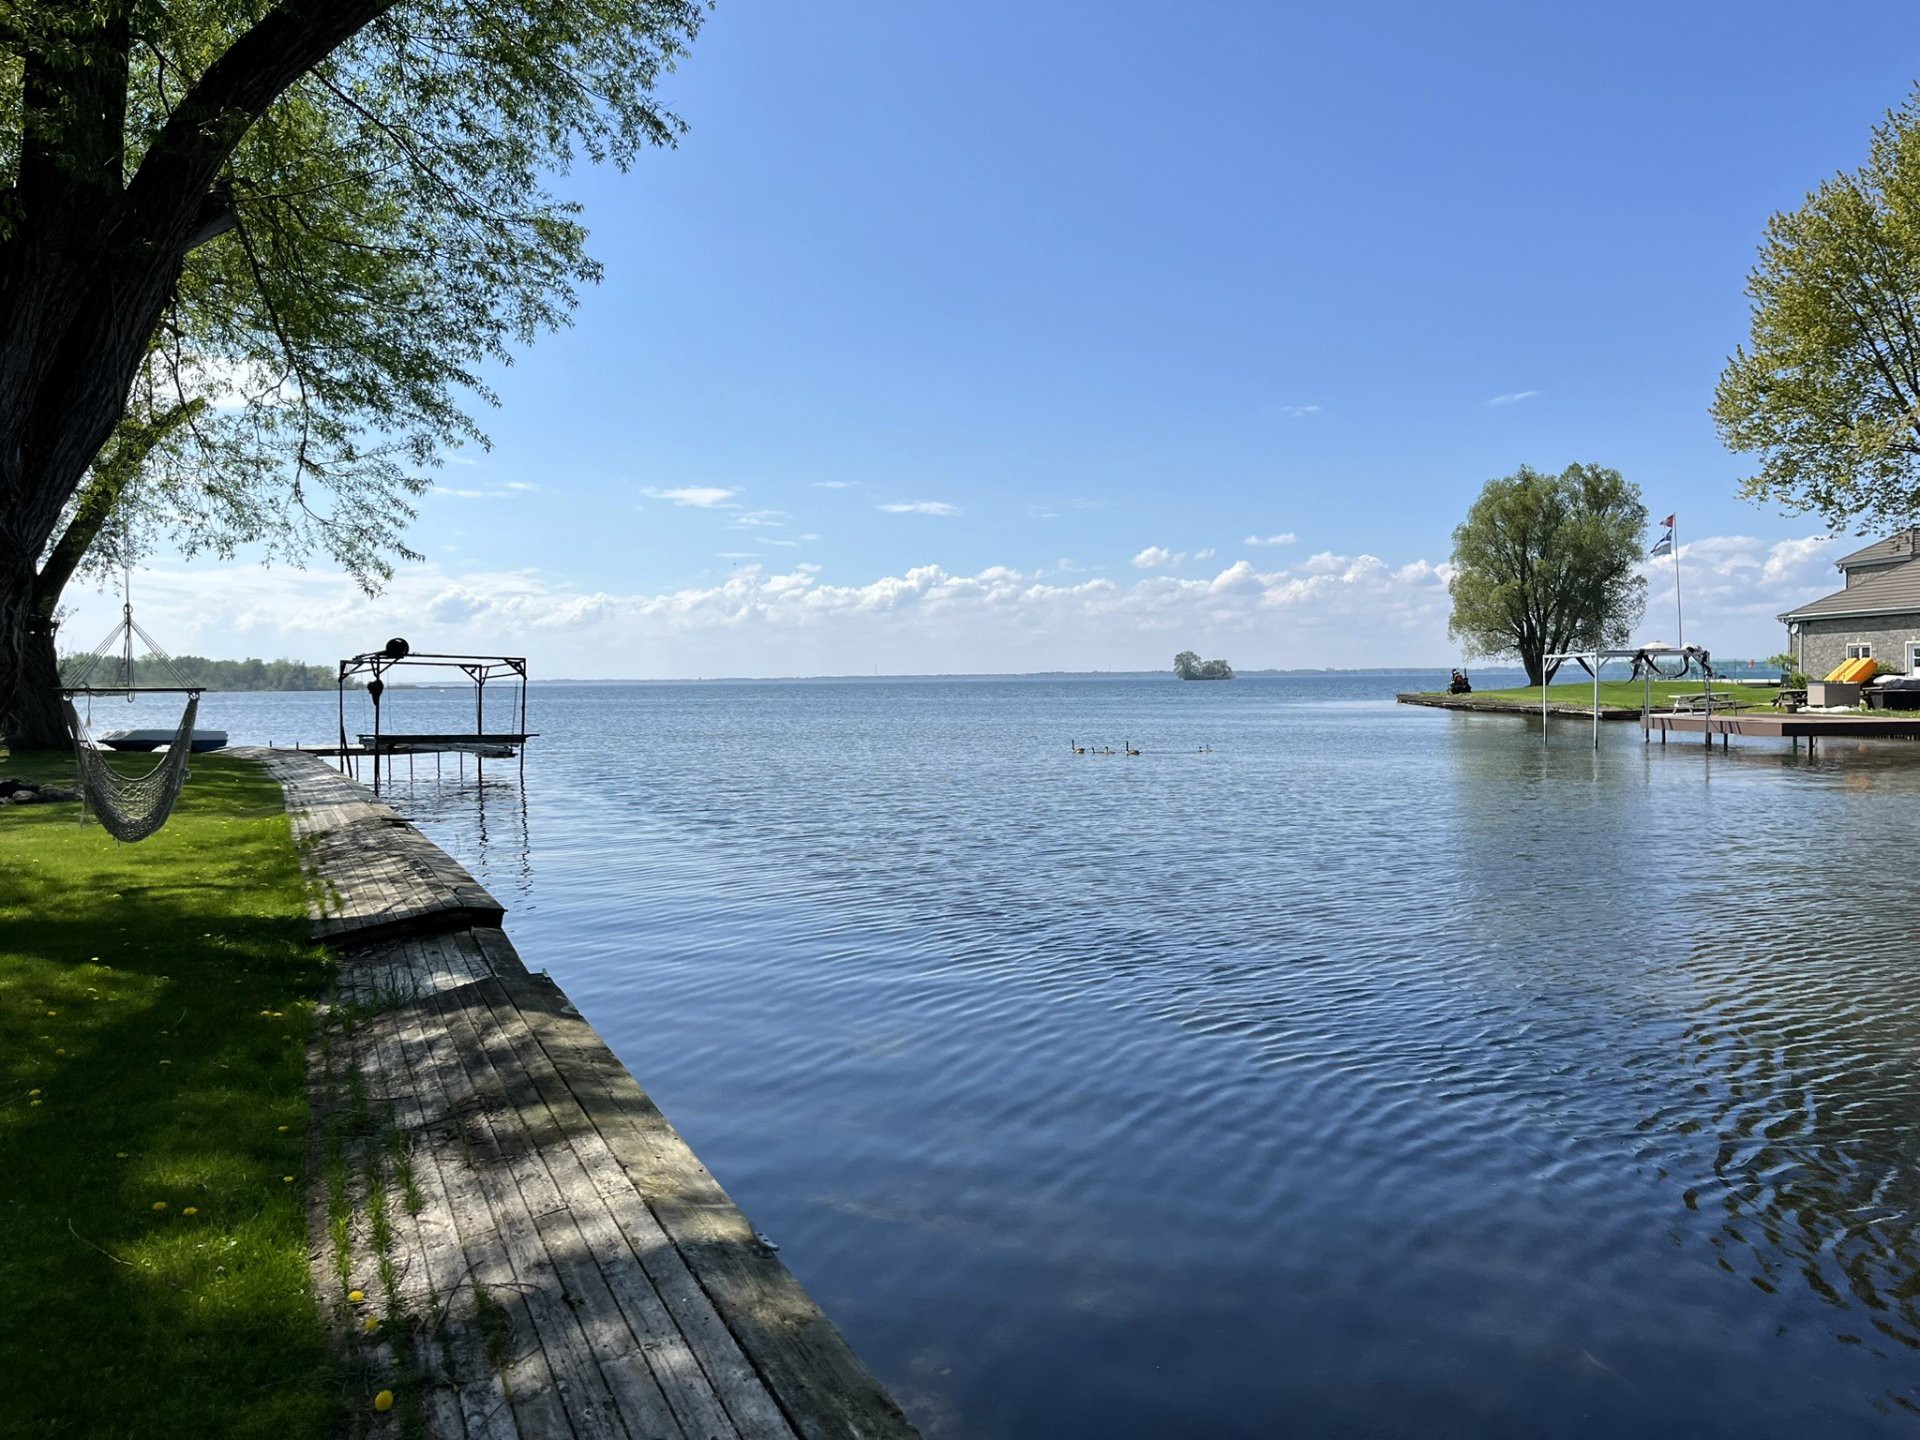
(1382, 1072)
(482, 820)
(1752, 993)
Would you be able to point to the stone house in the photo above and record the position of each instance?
(1876, 615)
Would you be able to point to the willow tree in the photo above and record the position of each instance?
(1827, 391)
(1544, 564)
(254, 253)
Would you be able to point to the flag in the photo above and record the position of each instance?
(1665, 547)
(1668, 522)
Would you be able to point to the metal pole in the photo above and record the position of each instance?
(1679, 623)
(1596, 699)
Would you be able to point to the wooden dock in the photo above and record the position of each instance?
(540, 1253)
(1778, 726)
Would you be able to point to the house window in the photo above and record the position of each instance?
(1859, 652)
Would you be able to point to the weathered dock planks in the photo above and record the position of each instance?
(370, 873)
(543, 1253)
(1813, 728)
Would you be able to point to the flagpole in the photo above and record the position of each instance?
(1679, 622)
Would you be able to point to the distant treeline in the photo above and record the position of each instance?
(199, 670)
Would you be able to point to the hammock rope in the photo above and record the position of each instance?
(128, 807)
(131, 807)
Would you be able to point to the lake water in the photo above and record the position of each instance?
(1380, 1072)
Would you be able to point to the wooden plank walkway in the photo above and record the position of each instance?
(543, 1255)
(1775, 726)
(370, 873)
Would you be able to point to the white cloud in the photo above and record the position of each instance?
(1513, 397)
(1156, 557)
(1796, 559)
(494, 492)
(1206, 554)
(781, 618)
(703, 497)
(920, 507)
(833, 484)
(1286, 538)
(1299, 412)
(1733, 586)
(761, 520)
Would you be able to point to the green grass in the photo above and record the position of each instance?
(1627, 694)
(155, 1002)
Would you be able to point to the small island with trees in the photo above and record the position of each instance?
(1189, 666)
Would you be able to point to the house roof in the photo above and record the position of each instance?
(1892, 591)
(1900, 546)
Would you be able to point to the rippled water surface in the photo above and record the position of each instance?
(1382, 1072)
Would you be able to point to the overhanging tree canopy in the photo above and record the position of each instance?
(252, 256)
(1544, 564)
(1827, 391)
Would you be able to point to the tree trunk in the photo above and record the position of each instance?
(29, 672)
(38, 721)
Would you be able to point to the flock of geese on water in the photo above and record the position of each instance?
(1127, 748)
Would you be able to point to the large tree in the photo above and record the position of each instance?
(253, 254)
(1544, 564)
(1827, 391)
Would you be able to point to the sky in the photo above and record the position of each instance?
(1004, 337)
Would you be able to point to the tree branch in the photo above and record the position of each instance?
(234, 92)
(116, 469)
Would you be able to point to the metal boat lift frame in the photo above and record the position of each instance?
(478, 668)
(1645, 658)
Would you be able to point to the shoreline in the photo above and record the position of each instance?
(1440, 701)
(529, 1238)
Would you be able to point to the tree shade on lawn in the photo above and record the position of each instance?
(155, 1002)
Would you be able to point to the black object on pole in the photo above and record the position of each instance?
(478, 668)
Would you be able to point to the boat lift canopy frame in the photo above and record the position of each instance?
(478, 668)
(1646, 664)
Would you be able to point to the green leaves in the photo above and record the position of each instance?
(383, 231)
(1827, 390)
(1548, 563)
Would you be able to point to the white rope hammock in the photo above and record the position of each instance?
(131, 807)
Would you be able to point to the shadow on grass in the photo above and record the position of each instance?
(155, 1002)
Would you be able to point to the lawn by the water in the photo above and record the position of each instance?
(1627, 694)
(155, 1001)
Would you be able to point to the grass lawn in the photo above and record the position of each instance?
(155, 1001)
(1627, 694)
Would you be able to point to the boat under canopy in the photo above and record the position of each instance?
(203, 740)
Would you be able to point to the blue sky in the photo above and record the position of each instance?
(1091, 286)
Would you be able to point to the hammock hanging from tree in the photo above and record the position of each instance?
(132, 807)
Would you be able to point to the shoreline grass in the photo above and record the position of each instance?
(1624, 694)
(155, 1003)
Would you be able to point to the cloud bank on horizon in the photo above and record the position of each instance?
(1326, 610)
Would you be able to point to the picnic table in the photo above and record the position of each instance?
(1711, 700)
